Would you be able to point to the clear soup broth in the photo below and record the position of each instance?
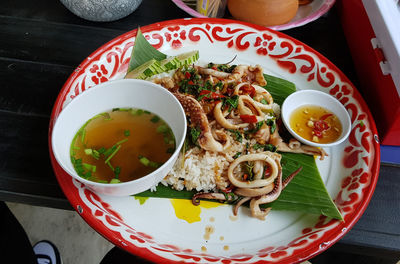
(121, 145)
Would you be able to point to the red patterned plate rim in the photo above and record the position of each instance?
(328, 239)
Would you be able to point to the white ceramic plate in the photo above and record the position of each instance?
(152, 230)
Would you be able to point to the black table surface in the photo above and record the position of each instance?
(41, 43)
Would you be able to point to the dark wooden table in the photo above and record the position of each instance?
(41, 43)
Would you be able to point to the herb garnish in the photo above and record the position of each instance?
(89, 167)
(266, 147)
(232, 102)
(83, 134)
(257, 146)
(226, 68)
(110, 150)
(237, 134)
(113, 181)
(208, 86)
(155, 119)
(190, 84)
(271, 123)
(121, 141)
(249, 168)
(194, 135)
(94, 153)
(113, 154)
(201, 97)
(257, 127)
(109, 165)
(148, 163)
(137, 112)
(117, 172)
(237, 155)
(106, 116)
(219, 85)
(101, 150)
(162, 129)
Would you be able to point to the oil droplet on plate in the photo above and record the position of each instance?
(185, 210)
(226, 247)
(208, 204)
(212, 219)
(141, 200)
(204, 249)
(233, 217)
(221, 238)
(209, 230)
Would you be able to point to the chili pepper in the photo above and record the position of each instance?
(245, 176)
(267, 172)
(325, 116)
(190, 82)
(217, 95)
(249, 118)
(203, 92)
(318, 133)
(214, 95)
(188, 75)
(248, 89)
(321, 125)
(229, 189)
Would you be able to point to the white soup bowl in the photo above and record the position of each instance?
(127, 93)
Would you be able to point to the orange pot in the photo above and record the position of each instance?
(264, 12)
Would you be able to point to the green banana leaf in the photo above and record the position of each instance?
(142, 52)
(306, 192)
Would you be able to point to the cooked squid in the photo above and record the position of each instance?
(231, 113)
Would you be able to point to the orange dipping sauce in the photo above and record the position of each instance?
(316, 124)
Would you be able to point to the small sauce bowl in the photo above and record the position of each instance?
(127, 93)
(316, 98)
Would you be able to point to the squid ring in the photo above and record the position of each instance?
(219, 116)
(246, 106)
(264, 156)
